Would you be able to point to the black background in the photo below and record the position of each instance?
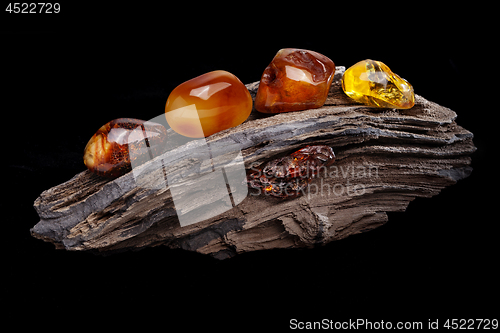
(64, 75)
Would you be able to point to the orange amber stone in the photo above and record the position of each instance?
(208, 104)
(295, 80)
(115, 146)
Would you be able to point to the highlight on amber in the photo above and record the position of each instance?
(108, 152)
(208, 104)
(295, 80)
(373, 83)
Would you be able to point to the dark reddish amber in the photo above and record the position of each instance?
(208, 104)
(289, 176)
(123, 141)
(295, 80)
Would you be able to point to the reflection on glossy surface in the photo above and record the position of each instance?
(297, 74)
(208, 104)
(295, 80)
(373, 83)
(108, 151)
(207, 91)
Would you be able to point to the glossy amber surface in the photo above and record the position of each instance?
(295, 80)
(208, 104)
(115, 145)
(373, 83)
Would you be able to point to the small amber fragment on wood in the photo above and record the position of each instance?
(123, 141)
(288, 177)
(295, 80)
(208, 104)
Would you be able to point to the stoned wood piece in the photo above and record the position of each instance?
(384, 159)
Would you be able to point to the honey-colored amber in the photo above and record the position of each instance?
(111, 151)
(372, 83)
(295, 80)
(208, 104)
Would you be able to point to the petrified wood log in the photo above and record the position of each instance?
(384, 159)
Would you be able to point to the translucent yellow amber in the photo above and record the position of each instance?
(373, 83)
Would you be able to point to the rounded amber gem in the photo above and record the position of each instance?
(208, 104)
(295, 80)
(373, 83)
(117, 145)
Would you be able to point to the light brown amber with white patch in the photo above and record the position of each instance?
(208, 104)
(295, 80)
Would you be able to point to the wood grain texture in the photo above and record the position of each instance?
(385, 158)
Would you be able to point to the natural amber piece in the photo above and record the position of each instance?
(117, 144)
(208, 104)
(373, 83)
(295, 80)
(289, 176)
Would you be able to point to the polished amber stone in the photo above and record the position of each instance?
(372, 83)
(208, 104)
(295, 80)
(111, 151)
